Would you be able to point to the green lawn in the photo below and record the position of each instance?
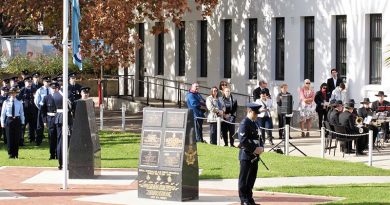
(354, 194)
(121, 150)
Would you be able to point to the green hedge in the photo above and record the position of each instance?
(46, 65)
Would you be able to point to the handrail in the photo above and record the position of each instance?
(174, 81)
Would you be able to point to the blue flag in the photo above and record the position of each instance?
(77, 60)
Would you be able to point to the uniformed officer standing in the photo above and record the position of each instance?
(251, 148)
(57, 97)
(13, 82)
(26, 95)
(24, 74)
(36, 83)
(38, 100)
(49, 111)
(74, 89)
(12, 119)
(3, 98)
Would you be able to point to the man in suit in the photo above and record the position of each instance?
(251, 148)
(334, 115)
(334, 81)
(346, 120)
(375, 107)
(262, 87)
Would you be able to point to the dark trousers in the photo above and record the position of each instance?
(2, 133)
(12, 129)
(31, 121)
(283, 120)
(228, 128)
(198, 130)
(213, 133)
(267, 123)
(246, 180)
(40, 127)
(52, 128)
(59, 143)
(322, 116)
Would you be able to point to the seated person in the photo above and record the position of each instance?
(346, 120)
(375, 107)
(334, 114)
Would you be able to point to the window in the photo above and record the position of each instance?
(203, 48)
(252, 48)
(279, 51)
(141, 61)
(309, 48)
(160, 50)
(227, 50)
(341, 45)
(375, 48)
(181, 33)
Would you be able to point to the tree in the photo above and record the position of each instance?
(110, 21)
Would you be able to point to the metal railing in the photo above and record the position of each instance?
(165, 84)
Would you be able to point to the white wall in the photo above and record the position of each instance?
(265, 11)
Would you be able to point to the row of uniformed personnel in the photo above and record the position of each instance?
(29, 110)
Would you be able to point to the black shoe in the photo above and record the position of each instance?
(52, 157)
(232, 145)
(60, 167)
(245, 203)
(362, 153)
(271, 142)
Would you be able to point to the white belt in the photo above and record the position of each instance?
(52, 114)
(60, 110)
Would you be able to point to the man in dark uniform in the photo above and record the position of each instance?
(57, 97)
(366, 111)
(13, 81)
(346, 120)
(12, 119)
(334, 81)
(3, 98)
(74, 88)
(334, 115)
(49, 111)
(24, 75)
(26, 95)
(6, 83)
(250, 149)
(36, 83)
(38, 100)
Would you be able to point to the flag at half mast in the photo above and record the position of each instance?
(77, 59)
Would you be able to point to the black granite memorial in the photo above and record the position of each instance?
(168, 162)
(84, 147)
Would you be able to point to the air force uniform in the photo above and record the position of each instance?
(249, 140)
(49, 111)
(26, 95)
(12, 118)
(38, 100)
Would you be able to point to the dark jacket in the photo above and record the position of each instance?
(334, 117)
(330, 84)
(257, 91)
(319, 100)
(279, 100)
(248, 136)
(364, 112)
(26, 95)
(376, 104)
(230, 105)
(346, 120)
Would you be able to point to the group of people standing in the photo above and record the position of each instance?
(220, 103)
(35, 103)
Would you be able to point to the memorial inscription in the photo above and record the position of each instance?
(168, 162)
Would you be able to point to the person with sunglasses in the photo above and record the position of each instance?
(322, 101)
(306, 107)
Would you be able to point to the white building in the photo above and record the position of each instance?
(313, 36)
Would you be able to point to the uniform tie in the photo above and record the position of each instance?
(13, 108)
(47, 91)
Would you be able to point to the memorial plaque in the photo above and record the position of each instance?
(168, 162)
(174, 139)
(154, 118)
(149, 157)
(151, 138)
(84, 146)
(175, 119)
(171, 159)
